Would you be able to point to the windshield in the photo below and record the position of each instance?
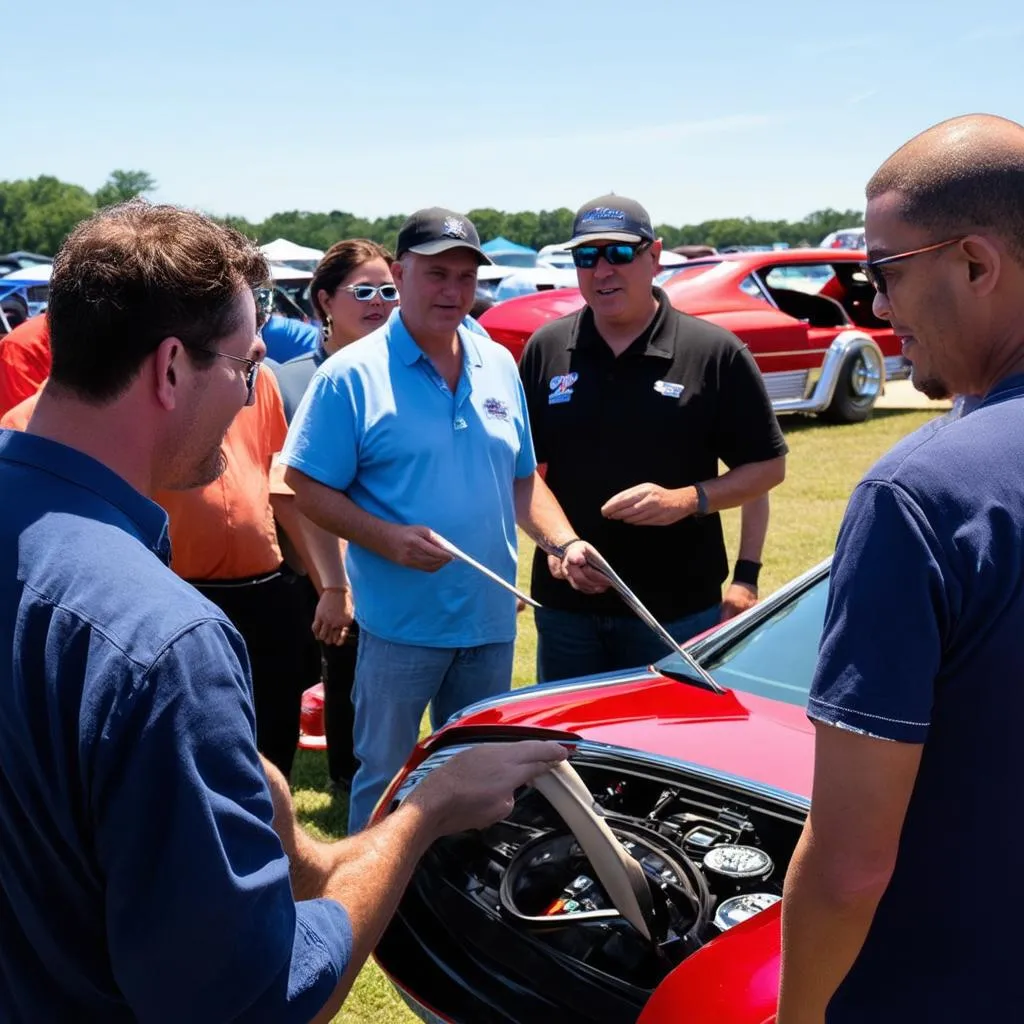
(776, 658)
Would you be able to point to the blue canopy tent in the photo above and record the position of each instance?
(510, 254)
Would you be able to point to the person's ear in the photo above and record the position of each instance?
(984, 263)
(168, 367)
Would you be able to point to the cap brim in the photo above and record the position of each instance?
(605, 236)
(444, 244)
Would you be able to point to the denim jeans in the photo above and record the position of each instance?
(582, 644)
(394, 683)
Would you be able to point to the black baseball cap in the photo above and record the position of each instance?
(428, 232)
(615, 218)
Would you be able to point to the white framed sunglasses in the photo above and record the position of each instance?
(366, 292)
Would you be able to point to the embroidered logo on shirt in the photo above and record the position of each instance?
(496, 409)
(453, 228)
(561, 388)
(668, 388)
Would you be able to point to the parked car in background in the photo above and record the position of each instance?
(806, 315)
(29, 285)
(706, 788)
(845, 238)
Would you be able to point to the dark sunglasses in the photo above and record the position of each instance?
(365, 292)
(877, 280)
(252, 370)
(616, 253)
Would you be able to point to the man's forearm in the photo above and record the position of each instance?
(321, 552)
(824, 926)
(753, 528)
(744, 484)
(339, 514)
(540, 515)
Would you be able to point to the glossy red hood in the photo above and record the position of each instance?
(736, 733)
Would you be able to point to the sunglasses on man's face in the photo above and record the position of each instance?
(616, 253)
(876, 278)
(365, 292)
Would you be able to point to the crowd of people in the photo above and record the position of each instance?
(201, 532)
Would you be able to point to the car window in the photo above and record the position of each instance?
(776, 658)
(750, 287)
(800, 277)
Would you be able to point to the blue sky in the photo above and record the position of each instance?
(698, 110)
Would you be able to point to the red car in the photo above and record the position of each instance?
(706, 788)
(805, 314)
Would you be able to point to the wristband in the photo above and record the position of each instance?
(702, 501)
(561, 548)
(746, 571)
(326, 589)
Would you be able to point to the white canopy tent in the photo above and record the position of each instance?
(282, 251)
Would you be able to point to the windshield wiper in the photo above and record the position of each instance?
(699, 675)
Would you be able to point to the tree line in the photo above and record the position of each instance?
(37, 213)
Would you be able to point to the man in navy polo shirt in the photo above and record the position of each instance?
(898, 903)
(149, 863)
(419, 427)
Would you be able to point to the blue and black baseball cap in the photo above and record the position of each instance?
(435, 230)
(614, 218)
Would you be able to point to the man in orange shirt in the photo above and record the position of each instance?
(224, 542)
(24, 362)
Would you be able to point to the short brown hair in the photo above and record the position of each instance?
(960, 188)
(339, 261)
(131, 276)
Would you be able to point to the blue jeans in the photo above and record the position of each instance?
(393, 685)
(583, 644)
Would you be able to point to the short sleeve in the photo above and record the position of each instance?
(529, 371)
(747, 428)
(885, 621)
(200, 918)
(526, 460)
(323, 440)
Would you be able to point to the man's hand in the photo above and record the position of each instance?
(416, 548)
(577, 570)
(651, 505)
(738, 598)
(475, 788)
(334, 614)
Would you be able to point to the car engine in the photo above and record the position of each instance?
(521, 903)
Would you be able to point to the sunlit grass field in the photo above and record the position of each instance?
(824, 464)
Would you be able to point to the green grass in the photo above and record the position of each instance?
(824, 464)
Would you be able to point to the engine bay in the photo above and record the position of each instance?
(714, 852)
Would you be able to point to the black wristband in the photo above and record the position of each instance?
(746, 571)
(560, 550)
(702, 501)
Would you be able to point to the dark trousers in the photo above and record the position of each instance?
(337, 672)
(272, 614)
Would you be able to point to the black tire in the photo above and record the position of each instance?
(860, 383)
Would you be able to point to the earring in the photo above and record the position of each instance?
(327, 327)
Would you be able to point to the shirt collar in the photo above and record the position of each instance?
(75, 467)
(409, 352)
(650, 342)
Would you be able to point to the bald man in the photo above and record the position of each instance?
(899, 900)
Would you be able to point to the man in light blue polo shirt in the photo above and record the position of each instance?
(416, 430)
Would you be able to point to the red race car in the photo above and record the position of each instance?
(700, 767)
(805, 314)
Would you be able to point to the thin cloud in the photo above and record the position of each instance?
(989, 32)
(861, 97)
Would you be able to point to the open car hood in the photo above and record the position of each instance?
(737, 733)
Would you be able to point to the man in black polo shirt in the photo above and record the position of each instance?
(632, 405)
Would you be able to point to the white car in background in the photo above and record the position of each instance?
(844, 238)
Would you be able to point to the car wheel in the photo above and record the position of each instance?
(858, 387)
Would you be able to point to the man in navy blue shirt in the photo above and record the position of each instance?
(897, 903)
(150, 865)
